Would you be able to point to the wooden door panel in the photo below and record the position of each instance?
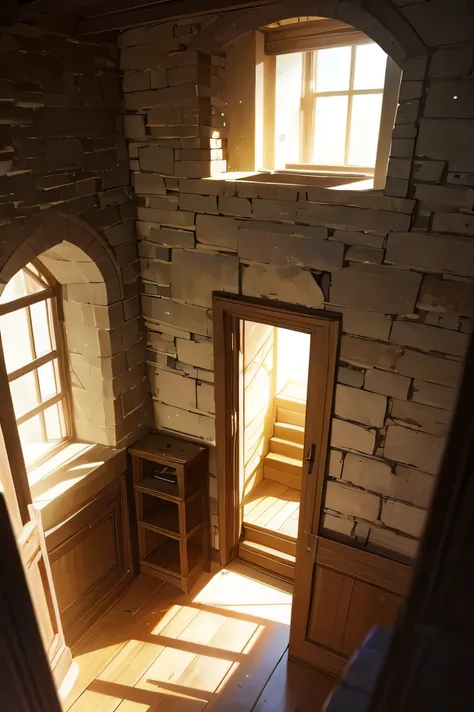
(35, 577)
(369, 606)
(26, 682)
(331, 598)
(34, 557)
(358, 591)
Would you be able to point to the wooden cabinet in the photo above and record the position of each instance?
(90, 558)
(170, 482)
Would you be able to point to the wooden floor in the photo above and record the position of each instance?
(273, 506)
(224, 647)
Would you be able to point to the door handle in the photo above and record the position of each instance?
(310, 458)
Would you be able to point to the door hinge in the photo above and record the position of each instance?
(310, 458)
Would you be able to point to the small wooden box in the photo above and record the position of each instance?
(170, 479)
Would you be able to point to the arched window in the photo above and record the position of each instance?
(35, 363)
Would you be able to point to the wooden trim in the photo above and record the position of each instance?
(323, 26)
(353, 170)
(12, 442)
(378, 570)
(316, 41)
(25, 674)
(266, 562)
(307, 106)
(36, 277)
(64, 372)
(32, 366)
(26, 301)
(269, 83)
(393, 76)
(228, 311)
(350, 100)
(39, 409)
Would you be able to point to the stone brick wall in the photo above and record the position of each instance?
(398, 266)
(65, 198)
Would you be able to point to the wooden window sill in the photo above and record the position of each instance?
(327, 179)
(71, 478)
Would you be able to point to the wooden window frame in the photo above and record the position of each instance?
(309, 98)
(50, 295)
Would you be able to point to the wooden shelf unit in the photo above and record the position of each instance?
(172, 517)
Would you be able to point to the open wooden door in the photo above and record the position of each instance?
(26, 682)
(340, 592)
(24, 523)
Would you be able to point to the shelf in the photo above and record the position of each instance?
(166, 558)
(159, 488)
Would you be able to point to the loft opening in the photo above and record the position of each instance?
(319, 99)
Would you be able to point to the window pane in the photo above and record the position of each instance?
(54, 423)
(40, 320)
(333, 69)
(364, 132)
(16, 339)
(330, 130)
(287, 108)
(370, 66)
(24, 394)
(37, 440)
(20, 285)
(47, 380)
(33, 442)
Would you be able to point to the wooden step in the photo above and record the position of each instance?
(288, 403)
(259, 535)
(290, 465)
(286, 448)
(290, 433)
(290, 417)
(265, 557)
(283, 478)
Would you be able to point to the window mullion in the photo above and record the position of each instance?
(306, 106)
(63, 374)
(32, 366)
(35, 372)
(39, 409)
(349, 106)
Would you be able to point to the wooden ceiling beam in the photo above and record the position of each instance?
(41, 7)
(107, 7)
(160, 12)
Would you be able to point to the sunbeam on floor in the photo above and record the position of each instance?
(160, 649)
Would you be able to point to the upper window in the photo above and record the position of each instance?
(328, 106)
(30, 335)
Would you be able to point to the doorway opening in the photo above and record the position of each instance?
(275, 376)
(274, 383)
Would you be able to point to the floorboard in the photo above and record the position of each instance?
(274, 507)
(220, 648)
(294, 688)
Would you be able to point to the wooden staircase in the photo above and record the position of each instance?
(283, 464)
